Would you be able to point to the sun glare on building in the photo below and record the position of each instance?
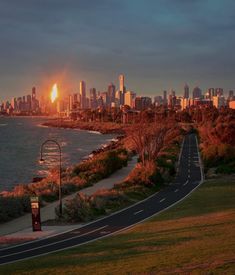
(54, 93)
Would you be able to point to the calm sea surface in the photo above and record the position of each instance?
(20, 142)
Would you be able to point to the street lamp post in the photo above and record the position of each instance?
(42, 160)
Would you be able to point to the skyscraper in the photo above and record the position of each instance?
(34, 102)
(13, 103)
(230, 94)
(219, 91)
(130, 98)
(197, 92)
(121, 83)
(29, 103)
(93, 98)
(186, 91)
(218, 101)
(33, 93)
(83, 94)
(172, 92)
(164, 97)
(122, 89)
(70, 103)
(211, 92)
(111, 92)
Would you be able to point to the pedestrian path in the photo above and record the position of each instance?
(23, 223)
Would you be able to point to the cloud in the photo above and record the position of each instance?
(154, 39)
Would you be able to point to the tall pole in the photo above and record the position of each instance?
(60, 169)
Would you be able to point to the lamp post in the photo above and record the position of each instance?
(42, 160)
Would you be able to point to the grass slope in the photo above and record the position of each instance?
(197, 236)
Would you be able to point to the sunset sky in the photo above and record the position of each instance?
(157, 44)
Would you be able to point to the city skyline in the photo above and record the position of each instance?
(158, 46)
(77, 89)
(122, 98)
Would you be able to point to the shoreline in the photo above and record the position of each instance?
(86, 126)
(92, 127)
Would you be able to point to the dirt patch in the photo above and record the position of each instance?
(7, 241)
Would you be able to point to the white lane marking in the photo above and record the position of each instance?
(185, 183)
(35, 248)
(138, 212)
(188, 170)
(75, 232)
(176, 190)
(162, 199)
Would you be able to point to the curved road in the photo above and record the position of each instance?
(189, 176)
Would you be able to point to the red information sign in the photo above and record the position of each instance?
(36, 219)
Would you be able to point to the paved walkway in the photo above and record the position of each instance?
(48, 212)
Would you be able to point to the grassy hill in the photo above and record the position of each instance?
(197, 236)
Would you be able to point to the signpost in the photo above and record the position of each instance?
(36, 219)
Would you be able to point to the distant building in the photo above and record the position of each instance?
(232, 104)
(122, 89)
(118, 98)
(142, 103)
(70, 103)
(130, 99)
(13, 103)
(34, 93)
(34, 101)
(172, 92)
(105, 98)
(186, 91)
(83, 94)
(111, 92)
(93, 98)
(164, 97)
(211, 92)
(219, 91)
(184, 103)
(158, 100)
(28, 106)
(197, 93)
(230, 94)
(121, 83)
(60, 106)
(218, 101)
(171, 100)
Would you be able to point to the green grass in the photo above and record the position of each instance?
(197, 236)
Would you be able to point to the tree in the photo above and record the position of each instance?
(148, 140)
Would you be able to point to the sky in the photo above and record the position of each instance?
(156, 44)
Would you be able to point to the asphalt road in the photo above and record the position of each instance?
(189, 176)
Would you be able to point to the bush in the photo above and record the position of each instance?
(218, 155)
(167, 163)
(83, 208)
(77, 209)
(156, 178)
(226, 168)
(103, 165)
(13, 207)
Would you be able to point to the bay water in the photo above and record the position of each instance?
(20, 144)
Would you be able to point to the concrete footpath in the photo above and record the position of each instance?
(21, 228)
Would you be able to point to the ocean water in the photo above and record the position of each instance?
(20, 144)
